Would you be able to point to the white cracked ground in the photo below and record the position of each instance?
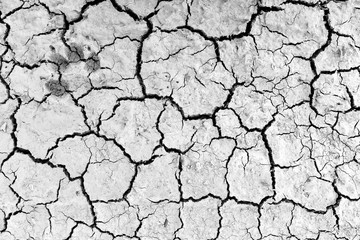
(179, 120)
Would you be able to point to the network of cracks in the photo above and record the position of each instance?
(179, 119)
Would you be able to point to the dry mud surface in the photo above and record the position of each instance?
(179, 120)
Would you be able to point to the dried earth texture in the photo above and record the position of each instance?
(179, 119)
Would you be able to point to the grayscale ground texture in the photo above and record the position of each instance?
(179, 120)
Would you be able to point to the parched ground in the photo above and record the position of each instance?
(179, 119)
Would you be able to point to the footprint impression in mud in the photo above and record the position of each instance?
(56, 87)
(93, 63)
(75, 53)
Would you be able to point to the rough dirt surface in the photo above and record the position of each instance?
(179, 119)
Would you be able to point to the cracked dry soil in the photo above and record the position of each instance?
(179, 119)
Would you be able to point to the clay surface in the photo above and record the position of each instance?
(179, 119)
